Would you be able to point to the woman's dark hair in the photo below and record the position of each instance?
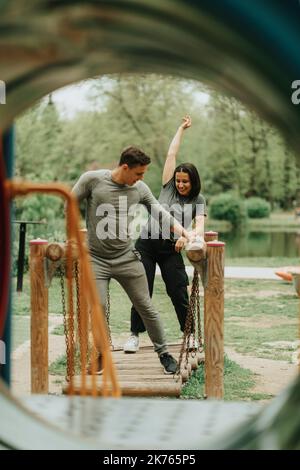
(194, 177)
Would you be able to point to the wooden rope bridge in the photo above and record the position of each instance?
(139, 374)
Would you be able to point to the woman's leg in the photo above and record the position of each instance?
(176, 281)
(148, 260)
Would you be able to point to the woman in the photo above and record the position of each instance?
(180, 194)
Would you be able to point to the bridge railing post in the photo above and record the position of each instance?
(39, 317)
(214, 320)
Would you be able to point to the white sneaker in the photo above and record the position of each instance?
(193, 344)
(132, 344)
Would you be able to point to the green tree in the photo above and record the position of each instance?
(39, 143)
(231, 146)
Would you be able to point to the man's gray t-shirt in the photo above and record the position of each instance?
(183, 209)
(110, 211)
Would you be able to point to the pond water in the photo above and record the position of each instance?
(256, 244)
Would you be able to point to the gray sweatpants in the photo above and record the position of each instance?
(129, 271)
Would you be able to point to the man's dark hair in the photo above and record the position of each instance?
(194, 177)
(133, 156)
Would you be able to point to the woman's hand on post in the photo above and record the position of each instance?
(180, 244)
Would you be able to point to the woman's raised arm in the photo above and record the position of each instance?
(170, 163)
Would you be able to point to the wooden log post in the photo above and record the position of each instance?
(214, 321)
(39, 317)
(210, 236)
(55, 251)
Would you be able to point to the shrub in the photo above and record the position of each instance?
(257, 208)
(228, 206)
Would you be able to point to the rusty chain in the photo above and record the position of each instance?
(64, 311)
(200, 339)
(79, 314)
(70, 337)
(192, 318)
(107, 313)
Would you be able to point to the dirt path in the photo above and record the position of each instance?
(20, 383)
(271, 376)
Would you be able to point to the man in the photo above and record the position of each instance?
(111, 197)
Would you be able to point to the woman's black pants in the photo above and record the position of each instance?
(173, 273)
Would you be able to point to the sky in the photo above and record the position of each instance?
(75, 98)
(72, 99)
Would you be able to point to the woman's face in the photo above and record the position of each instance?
(183, 183)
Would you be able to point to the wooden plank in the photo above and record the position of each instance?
(138, 388)
(124, 377)
(141, 374)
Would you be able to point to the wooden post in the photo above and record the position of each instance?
(210, 236)
(55, 251)
(39, 317)
(214, 321)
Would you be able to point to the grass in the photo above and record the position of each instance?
(251, 340)
(20, 331)
(21, 301)
(238, 383)
(58, 367)
(252, 320)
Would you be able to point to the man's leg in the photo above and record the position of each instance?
(130, 273)
(102, 277)
(137, 324)
(136, 288)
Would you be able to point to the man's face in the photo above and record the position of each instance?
(132, 175)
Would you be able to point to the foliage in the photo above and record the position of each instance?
(39, 208)
(228, 206)
(222, 173)
(233, 148)
(59, 366)
(258, 208)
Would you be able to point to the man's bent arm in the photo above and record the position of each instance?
(81, 189)
(155, 209)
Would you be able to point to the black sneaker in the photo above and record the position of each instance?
(169, 363)
(99, 367)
